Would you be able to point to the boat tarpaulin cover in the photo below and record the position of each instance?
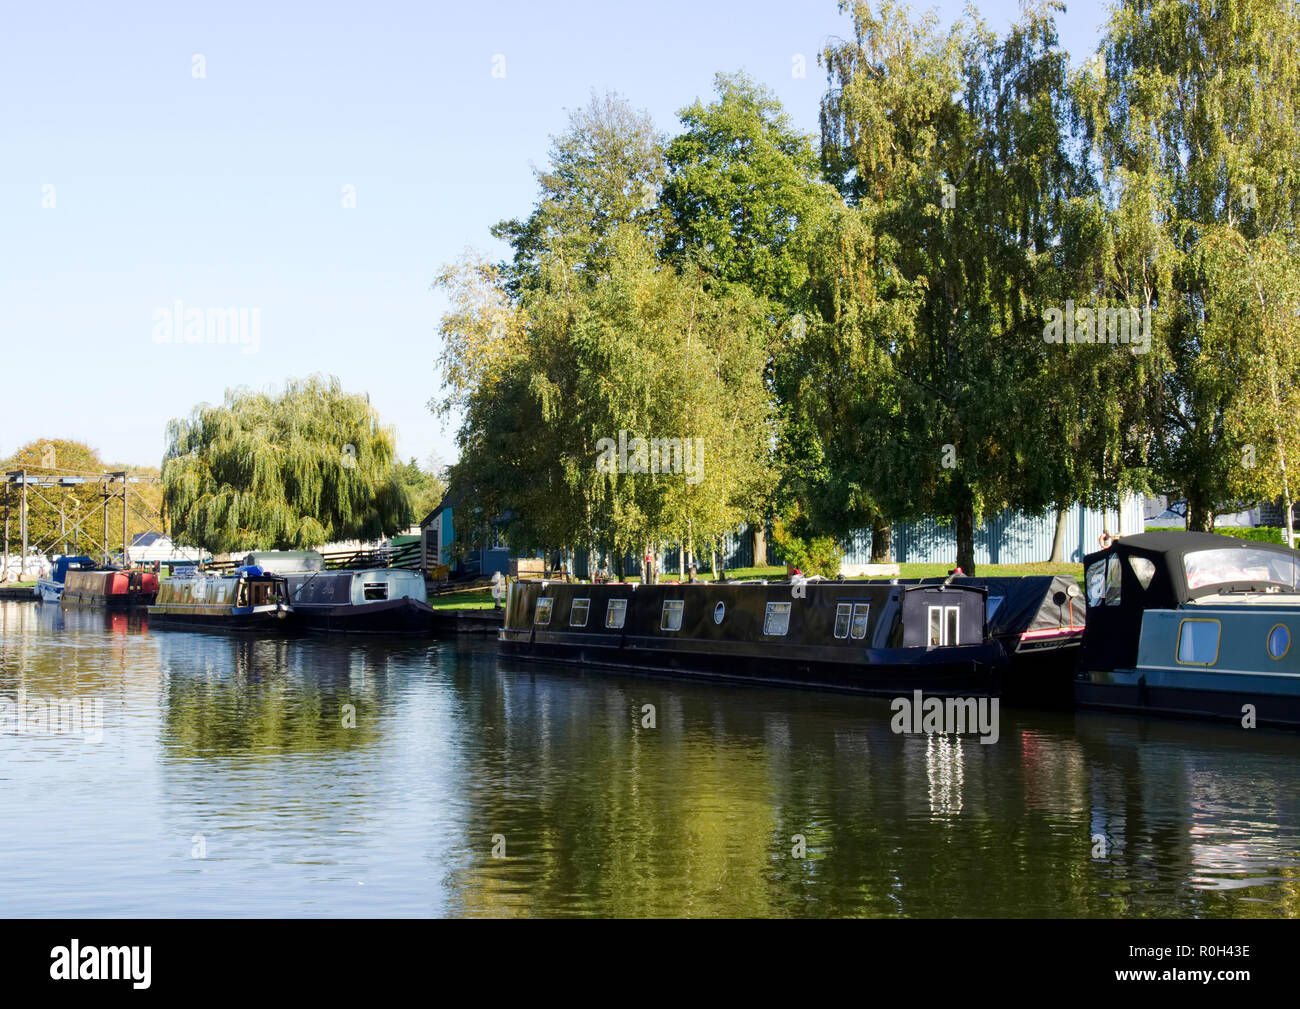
(1029, 603)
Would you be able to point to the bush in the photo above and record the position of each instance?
(813, 555)
(1260, 534)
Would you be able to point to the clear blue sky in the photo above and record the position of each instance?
(226, 190)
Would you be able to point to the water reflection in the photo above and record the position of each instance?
(330, 776)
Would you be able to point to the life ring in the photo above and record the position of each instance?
(1105, 539)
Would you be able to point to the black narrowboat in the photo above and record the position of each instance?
(867, 636)
(349, 601)
(366, 601)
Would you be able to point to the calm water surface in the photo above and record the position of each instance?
(230, 780)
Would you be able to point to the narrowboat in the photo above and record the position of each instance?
(111, 589)
(246, 599)
(351, 601)
(1193, 625)
(50, 587)
(957, 636)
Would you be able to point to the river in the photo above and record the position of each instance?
(200, 774)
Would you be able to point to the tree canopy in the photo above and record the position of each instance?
(280, 470)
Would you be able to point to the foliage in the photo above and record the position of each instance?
(292, 469)
(798, 546)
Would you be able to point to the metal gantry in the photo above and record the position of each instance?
(20, 483)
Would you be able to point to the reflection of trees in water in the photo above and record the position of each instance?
(236, 694)
(698, 816)
(78, 652)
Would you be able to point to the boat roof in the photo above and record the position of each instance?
(1167, 548)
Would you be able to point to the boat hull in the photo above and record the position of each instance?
(967, 671)
(212, 619)
(1131, 693)
(391, 616)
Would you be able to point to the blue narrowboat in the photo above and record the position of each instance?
(1193, 625)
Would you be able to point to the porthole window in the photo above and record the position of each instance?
(719, 612)
(1279, 640)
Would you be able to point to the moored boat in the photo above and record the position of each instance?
(350, 601)
(1193, 625)
(245, 599)
(110, 589)
(50, 587)
(943, 637)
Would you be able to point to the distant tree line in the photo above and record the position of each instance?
(992, 281)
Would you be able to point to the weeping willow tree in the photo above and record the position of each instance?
(278, 471)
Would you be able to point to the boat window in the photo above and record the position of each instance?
(945, 623)
(842, 614)
(860, 613)
(1279, 641)
(671, 619)
(777, 619)
(1112, 580)
(578, 612)
(1198, 642)
(616, 613)
(719, 612)
(1095, 579)
(243, 594)
(543, 612)
(374, 590)
(1239, 564)
(1144, 570)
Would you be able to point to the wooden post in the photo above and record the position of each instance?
(104, 542)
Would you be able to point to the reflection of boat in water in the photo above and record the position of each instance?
(955, 636)
(246, 599)
(50, 587)
(109, 589)
(1193, 624)
(362, 601)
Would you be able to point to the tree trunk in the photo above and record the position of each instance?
(681, 562)
(1290, 526)
(882, 535)
(1058, 537)
(1200, 515)
(760, 545)
(966, 540)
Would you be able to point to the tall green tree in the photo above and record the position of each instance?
(747, 207)
(1194, 113)
(953, 144)
(278, 470)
